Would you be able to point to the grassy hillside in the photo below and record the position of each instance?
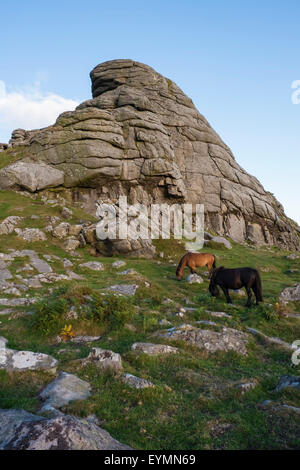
(194, 404)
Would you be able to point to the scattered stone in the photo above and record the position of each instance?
(67, 263)
(164, 322)
(288, 381)
(153, 349)
(246, 386)
(290, 294)
(61, 230)
(3, 342)
(207, 322)
(118, 264)
(66, 213)
(104, 359)
(75, 230)
(31, 234)
(293, 256)
(6, 311)
(26, 360)
(125, 289)
(226, 340)
(93, 265)
(128, 272)
(24, 431)
(271, 339)
(12, 291)
(71, 244)
(8, 225)
(16, 302)
(64, 389)
(194, 278)
(136, 382)
(218, 314)
(85, 339)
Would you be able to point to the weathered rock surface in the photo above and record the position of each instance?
(93, 265)
(194, 278)
(288, 381)
(290, 294)
(153, 349)
(136, 382)
(104, 359)
(31, 176)
(24, 431)
(25, 360)
(227, 339)
(141, 136)
(64, 389)
(125, 289)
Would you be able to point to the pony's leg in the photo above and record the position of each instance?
(249, 296)
(256, 294)
(209, 266)
(226, 293)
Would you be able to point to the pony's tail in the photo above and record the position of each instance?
(180, 265)
(258, 287)
(214, 263)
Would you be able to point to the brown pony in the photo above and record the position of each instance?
(193, 260)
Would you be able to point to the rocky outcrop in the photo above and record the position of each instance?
(141, 136)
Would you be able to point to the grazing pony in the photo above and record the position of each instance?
(193, 260)
(235, 279)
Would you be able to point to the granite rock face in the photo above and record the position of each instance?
(142, 137)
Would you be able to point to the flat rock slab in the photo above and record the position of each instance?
(85, 339)
(64, 389)
(218, 314)
(104, 359)
(16, 302)
(271, 339)
(226, 340)
(125, 289)
(93, 265)
(288, 381)
(24, 431)
(26, 360)
(153, 349)
(136, 382)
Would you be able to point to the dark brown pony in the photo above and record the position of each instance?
(235, 279)
(194, 260)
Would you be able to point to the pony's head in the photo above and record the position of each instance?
(213, 285)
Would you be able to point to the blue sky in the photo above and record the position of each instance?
(236, 60)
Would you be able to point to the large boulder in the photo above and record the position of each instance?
(142, 137)
(31, 176)
(24, 431)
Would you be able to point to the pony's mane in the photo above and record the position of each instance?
(215, 272)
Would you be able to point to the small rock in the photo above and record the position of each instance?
(85, 339)
(26, 360)
(93, 265)
(125, 289)
(129, 271)
(104, 359)
(288, 381)
(61, 230)
(118, 264)
(64, 389)
(194, 278)
(66, 213)
(71, 244)
(136, 382)
(32, 235)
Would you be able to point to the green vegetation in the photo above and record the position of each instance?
(194, 404)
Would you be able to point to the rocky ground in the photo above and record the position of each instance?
(115, 353)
